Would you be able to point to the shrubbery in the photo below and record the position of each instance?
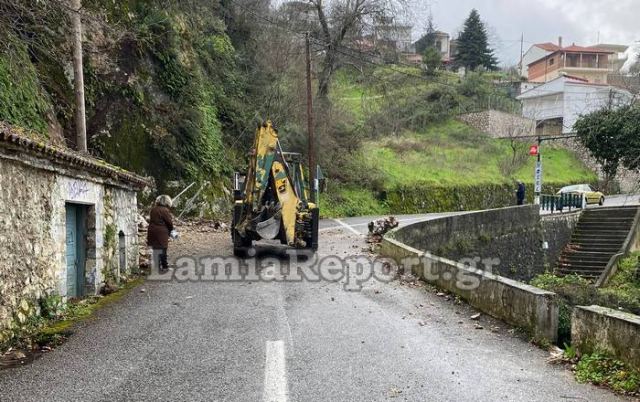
(622, 292)
(600, 369)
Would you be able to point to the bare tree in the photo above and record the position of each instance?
(517, 130)
(340, 19)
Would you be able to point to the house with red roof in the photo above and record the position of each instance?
(536, 52)
(589, 63)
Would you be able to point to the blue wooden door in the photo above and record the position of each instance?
(72, 250)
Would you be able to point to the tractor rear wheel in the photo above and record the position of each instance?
(240, 244)
(312, 241)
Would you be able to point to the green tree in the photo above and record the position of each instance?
(612, 136)
(432, 59)
(631, 136)
(473, 45)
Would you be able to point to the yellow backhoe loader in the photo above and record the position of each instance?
(272, 199)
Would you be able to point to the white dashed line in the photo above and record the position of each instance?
(275, 373)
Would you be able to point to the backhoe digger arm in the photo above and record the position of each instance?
(264, 147)
(288, 200)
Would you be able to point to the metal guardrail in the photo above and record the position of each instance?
(558, 203)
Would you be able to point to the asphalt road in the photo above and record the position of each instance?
(359, 224)
(621, 200)
(291, 341)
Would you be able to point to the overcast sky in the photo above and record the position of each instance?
(579, 21)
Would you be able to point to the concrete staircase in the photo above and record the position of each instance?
(599, 235)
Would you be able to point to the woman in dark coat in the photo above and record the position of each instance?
(160, 227)
(520, 193)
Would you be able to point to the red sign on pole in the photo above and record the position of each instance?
(533, 151)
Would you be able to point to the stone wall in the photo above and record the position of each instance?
(601, 329)
(513, 237)
(27, 253)
(33, 232)
(627, 180)
(500, 124)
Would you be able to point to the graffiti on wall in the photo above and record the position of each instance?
(77, 189)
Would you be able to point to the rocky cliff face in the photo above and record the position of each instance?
(163, 90)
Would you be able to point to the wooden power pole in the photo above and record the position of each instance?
(311, 137)
(81, 123)
(521, 55)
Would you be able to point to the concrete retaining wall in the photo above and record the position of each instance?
(616, 333)
(514, 236)
(516, 303)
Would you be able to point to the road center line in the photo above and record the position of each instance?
(275, 373)
(347, 227)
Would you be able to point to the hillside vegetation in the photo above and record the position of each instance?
(429, 160)
(174, 90)
(164, 84)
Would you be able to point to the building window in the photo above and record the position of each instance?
(551, 61)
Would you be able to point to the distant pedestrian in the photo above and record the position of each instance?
(160, 228)
(520, 193)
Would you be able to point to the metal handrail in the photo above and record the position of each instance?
(560, 202)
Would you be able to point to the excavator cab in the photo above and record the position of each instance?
(272, 200)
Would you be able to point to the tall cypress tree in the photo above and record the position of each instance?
(473, 45)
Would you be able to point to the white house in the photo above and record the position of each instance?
(442, 43)
(557, 104)
(394, 36)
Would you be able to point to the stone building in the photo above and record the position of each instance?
(68, 225)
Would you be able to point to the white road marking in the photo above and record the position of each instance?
(342, 224)
(348, 227)
(275, 373)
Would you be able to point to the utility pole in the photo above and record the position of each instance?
(521, 55)
(538, 176)
(81, 123)
(311, 137)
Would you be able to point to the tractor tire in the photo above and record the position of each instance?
(240, 244)
(312, 241)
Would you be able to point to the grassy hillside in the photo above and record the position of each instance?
(453, 153)
(447, 158)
